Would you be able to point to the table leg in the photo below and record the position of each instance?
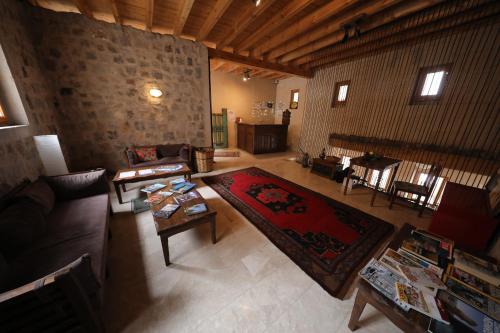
(348, 179)
(357, 310)
(213, 230)
(393, 176)
(118, 193)
(124, 189)
(379, 177)
(188, 176)
(164, 245)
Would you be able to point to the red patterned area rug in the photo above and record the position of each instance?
(329, 240)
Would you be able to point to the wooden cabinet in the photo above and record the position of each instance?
(261, 139)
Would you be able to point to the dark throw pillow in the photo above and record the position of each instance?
(169, 150)
(41, 193)
(21, 224)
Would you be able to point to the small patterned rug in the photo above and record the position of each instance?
(329, 240)
(224, 153)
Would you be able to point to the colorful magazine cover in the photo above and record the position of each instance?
(196, 209)
(421, 262)
(186, 197)
(474, 298)
(483, 269)
(463, 318)
(177, 181)
(186, 187)
(419, 301)
(426, 248)
(166, 211)
(384, 280)
(474, 282)
(153, 188)
(392, 259)
(422, 277)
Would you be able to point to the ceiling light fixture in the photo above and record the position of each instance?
(246, 75)
(155, 92)
(256, 2)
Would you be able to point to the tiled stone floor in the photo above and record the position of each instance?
(241, 284)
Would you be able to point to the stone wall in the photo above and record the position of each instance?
(18, 155)
(102, 75)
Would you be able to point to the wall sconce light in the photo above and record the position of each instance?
(155, 92)
(256, 2)
(246, 75)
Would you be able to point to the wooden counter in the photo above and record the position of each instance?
(261, 139)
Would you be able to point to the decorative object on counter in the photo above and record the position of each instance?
(326, 167)
(204, 158)
(371, 156)
(305, 160)
(285, 120)
(323, 154)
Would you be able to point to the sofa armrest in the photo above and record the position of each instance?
(79, 185)
(64, 295)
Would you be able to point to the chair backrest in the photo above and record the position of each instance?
(432, 177)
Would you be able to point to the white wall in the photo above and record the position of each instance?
(283, 92)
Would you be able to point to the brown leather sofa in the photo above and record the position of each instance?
(167, 154)
(46, 226)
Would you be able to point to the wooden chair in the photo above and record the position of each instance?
(424, 190)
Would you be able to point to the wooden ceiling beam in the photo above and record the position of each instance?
(449, 15)
(150, 6)
(218, 65)
(83, 8)
(313, 19)
(182, 16)
(255, 63)
(293, 8)
(243, 22)
(366, 9)
(213, 17)
(116, 13)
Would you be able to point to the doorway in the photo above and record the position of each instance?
(219, 129)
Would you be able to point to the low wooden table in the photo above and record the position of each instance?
(157, 174)
(411, 321)
(180, 222)
(326, 167)
(380, 165)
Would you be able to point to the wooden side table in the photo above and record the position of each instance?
(326, 167)
(411, 321)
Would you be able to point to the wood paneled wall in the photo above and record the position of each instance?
(461, 131)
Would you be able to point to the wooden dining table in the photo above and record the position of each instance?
(380, 164)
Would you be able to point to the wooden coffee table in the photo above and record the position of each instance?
(180, 222)
(157, 174)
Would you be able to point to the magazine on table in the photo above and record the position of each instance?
(474, 282)
(186, 187)
(427, 248)
(392, 259)
(445, 244)
(384, 280)
(420, 301)
(153, 188)
(474, 298)
(126, 174)
(186, 197)
(154, 199)
(423, 278)
(177, 181)
(196, 209)
(145, 172)
(421, 262)
(463, 317)
(481, 268)
(166, 211)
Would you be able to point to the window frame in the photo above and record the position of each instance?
(336, 102)
(292, 92)
(416, 97)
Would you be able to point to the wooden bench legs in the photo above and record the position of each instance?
(357, 310)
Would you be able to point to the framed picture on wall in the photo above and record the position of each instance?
(294, 99)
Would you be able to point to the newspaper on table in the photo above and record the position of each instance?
(384, 280)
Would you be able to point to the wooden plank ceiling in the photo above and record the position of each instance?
(276, 39)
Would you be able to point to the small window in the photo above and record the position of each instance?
(294, 99)
(430, 84)
(341, 93)
(3, 117)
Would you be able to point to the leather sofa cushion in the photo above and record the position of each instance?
(21, 223)
(164, 160)
(41, 193)
(169, 150)
(78, 185)
(74, 228)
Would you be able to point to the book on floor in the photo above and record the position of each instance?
(166, 211)
(196, 209)
(153, 188)
(423, 278)
(483, 269)
(420, 301)
(463, 318)
(384, 280)
(186, 197)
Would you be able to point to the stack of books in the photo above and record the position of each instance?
(460, 292)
